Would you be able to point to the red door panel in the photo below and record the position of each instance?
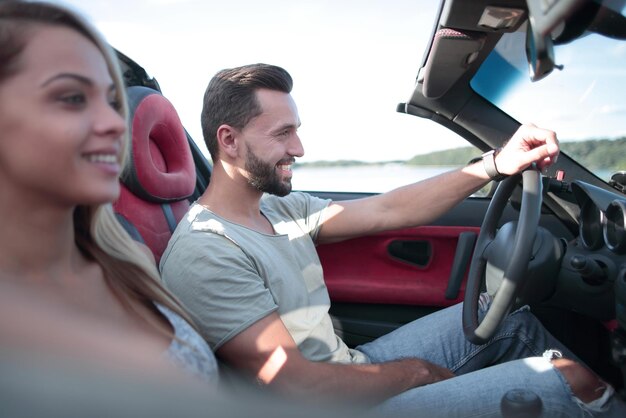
(363, 270)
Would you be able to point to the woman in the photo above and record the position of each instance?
(63, 143)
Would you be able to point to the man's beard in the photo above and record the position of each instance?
(263, 176)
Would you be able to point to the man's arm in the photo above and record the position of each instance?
(267, 351)
(421, 203)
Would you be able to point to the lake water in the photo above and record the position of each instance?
(376, 179)
(370, 178)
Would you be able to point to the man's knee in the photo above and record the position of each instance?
(585, 384)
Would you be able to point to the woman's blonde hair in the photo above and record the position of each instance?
(129, 272)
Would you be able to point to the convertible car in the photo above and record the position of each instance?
(555, 241)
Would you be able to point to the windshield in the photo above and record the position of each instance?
(583, 99)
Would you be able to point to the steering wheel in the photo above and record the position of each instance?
(510, 247)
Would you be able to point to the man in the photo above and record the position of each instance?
(243, 261)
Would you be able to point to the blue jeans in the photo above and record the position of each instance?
(512, 359)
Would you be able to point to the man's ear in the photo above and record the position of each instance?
(227, 140)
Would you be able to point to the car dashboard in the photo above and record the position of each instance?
(592, 280)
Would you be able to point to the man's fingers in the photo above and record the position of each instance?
(543, 155)
(530, 144)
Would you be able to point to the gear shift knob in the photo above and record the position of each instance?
(521, 403)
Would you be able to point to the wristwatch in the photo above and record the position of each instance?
(489, 163)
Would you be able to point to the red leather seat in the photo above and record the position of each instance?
(160, 175)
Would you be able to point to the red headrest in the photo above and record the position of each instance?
(161, 167)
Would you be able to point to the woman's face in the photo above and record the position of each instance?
(60, 133)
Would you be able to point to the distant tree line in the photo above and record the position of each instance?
(335, 163)
(595, 154)
(607, 154)
(449, 157)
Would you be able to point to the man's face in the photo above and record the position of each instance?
(264, 177)
(272, 143)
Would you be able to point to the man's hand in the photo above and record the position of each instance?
(528, 145)
(427, 372)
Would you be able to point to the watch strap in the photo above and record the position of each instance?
(489, 163)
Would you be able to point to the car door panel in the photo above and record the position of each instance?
(381, 269)
(376, 284)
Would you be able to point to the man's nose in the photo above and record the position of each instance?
(295, 147)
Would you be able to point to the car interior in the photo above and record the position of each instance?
(565, 228)
(161, 176)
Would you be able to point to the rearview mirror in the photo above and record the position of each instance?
(540, 54)
(543, 18)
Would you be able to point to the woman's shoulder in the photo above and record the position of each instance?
(189, 350)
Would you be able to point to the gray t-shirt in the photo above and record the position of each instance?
(229, 276)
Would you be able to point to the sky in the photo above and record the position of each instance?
(352, 62)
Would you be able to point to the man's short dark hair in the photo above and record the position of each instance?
(231, 99)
